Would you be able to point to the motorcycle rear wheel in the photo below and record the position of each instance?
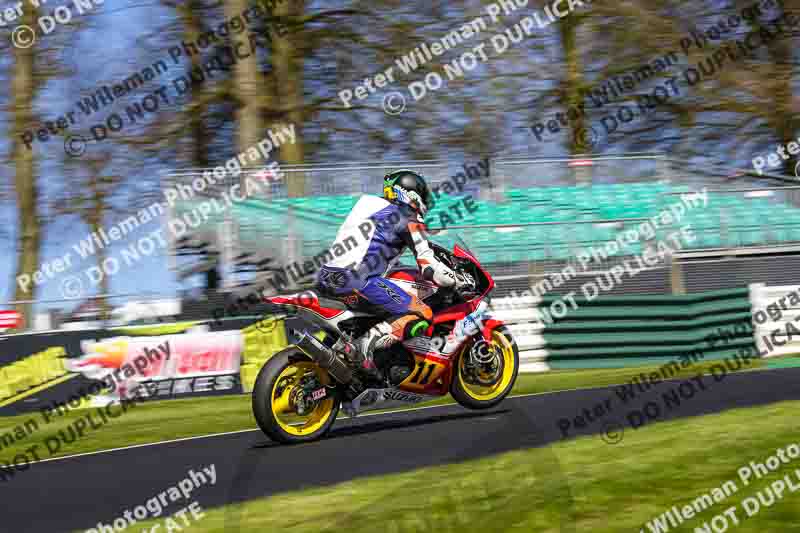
(475, 396)
(275, 399)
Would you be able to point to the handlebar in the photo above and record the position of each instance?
(463, 267)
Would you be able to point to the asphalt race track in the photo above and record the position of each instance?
(77, 493)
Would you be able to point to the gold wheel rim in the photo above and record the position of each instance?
(490, 392)
(286, 384)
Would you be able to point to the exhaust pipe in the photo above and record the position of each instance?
(326, 358)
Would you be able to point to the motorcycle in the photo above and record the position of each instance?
(464, 352)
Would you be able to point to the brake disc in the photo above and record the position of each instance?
(483, 360)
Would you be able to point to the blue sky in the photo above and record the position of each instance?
(114, 29)
(128, 23)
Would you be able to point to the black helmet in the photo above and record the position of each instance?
(408, 187)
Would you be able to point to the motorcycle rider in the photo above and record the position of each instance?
(382, 228)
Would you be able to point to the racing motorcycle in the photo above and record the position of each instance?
(464, 352)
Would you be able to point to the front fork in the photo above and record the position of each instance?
(478, 321)
(482, 359)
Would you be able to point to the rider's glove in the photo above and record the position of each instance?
(440, 274)
(464, 282)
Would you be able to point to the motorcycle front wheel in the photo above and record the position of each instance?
(484, 386)
(283, 402)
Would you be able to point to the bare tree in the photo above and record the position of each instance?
(89, 187)
(25, 85)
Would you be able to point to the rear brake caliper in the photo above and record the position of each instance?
(307, 394)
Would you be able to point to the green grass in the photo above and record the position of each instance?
(576, 379)
(142, 423)
(580, 485)
(173, 419)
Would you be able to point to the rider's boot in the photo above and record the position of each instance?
(360, 351)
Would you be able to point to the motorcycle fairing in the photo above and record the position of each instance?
(434, 358)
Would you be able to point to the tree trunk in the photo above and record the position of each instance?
(246, 84)
(572, 84)
(199, 137)
(100, 257)
(23, 90)
(288, 65)
(783, 117)
(97, 209)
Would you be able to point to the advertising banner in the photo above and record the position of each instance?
(10, 319)
(163, 366)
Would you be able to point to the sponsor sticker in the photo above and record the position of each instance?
(319, 394)
(403, 396)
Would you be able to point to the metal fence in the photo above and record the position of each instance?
(579, 170)
(103, 310)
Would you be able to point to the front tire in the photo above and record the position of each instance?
(277, 390)
(477, 396)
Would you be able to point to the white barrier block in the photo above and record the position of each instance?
(529, 342)
(762, 303)
(532, 368)
(527, 328)
(519, 315)
(529, 356)
(512, 302)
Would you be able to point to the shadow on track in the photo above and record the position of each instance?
(386, 425)
(368, 449)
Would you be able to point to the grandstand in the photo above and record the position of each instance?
(517, 227)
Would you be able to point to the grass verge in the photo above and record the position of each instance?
(579, 485)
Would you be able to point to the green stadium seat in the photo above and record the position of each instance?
(748, 221)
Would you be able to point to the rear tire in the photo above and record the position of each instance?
(272, 388)
(477, 397)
